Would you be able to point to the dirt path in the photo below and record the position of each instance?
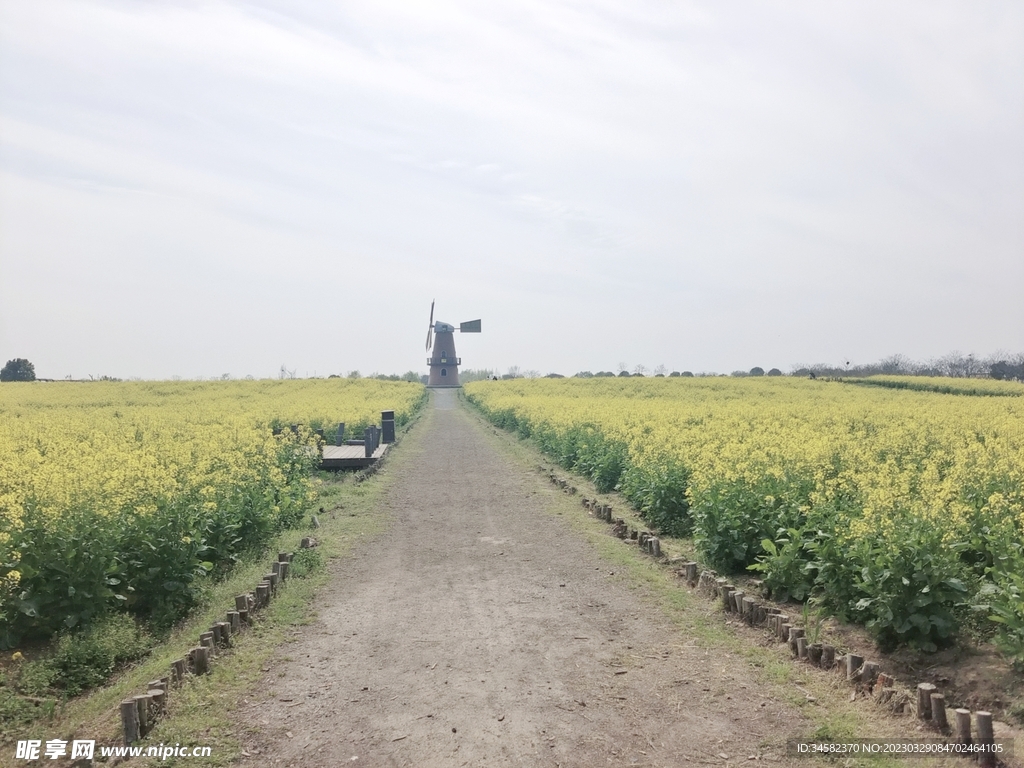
(481, 631)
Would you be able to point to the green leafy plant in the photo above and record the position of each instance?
(1005, 603)
(813, 620)
(306, 562)
(787, 565)
(658, 489)
(912, 584)
(85, 659)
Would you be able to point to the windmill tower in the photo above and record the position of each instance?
(444, 363)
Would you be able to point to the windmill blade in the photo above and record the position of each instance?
(470, 326)
(430, 325)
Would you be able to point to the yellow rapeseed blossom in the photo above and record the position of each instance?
(843, 474)
(190, 452)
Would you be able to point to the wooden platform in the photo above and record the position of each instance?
(350, 456)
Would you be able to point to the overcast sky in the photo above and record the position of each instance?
(199, 188)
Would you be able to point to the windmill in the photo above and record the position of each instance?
(444, 365)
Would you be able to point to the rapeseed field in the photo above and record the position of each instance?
(130, 494)
(897, 508)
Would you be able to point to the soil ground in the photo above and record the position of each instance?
(481, 631)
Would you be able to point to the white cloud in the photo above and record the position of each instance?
(753, 180)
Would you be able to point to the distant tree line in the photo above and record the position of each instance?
(1002, 365)
(407, 376)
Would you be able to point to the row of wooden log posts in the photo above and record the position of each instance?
(865, 675)
(140, 713)
(646, 540)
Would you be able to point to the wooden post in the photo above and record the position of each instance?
(748, 609)
(727, 592)
(159, 699)
(368, 441)
(241, 602)
(853, 665)
(814, 654)
(130, 721)
(275, 568)
(655, 546)
(737, 601)
(200, 660)
(225, 632)
(142, 705)
(783, 625)
(963, 726)
(924, 700)
(177, 671)
(285, 567)
(691, 573)
(801, 648)
(986, 737)
(939, 712)
(218, 637)
(243, 616)
(262, 594)
(795, 633)
(730, 599)
(282, 557)
(207, 641)
(869, 672)
(828, 656)
(160, 684)
(235, 621)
